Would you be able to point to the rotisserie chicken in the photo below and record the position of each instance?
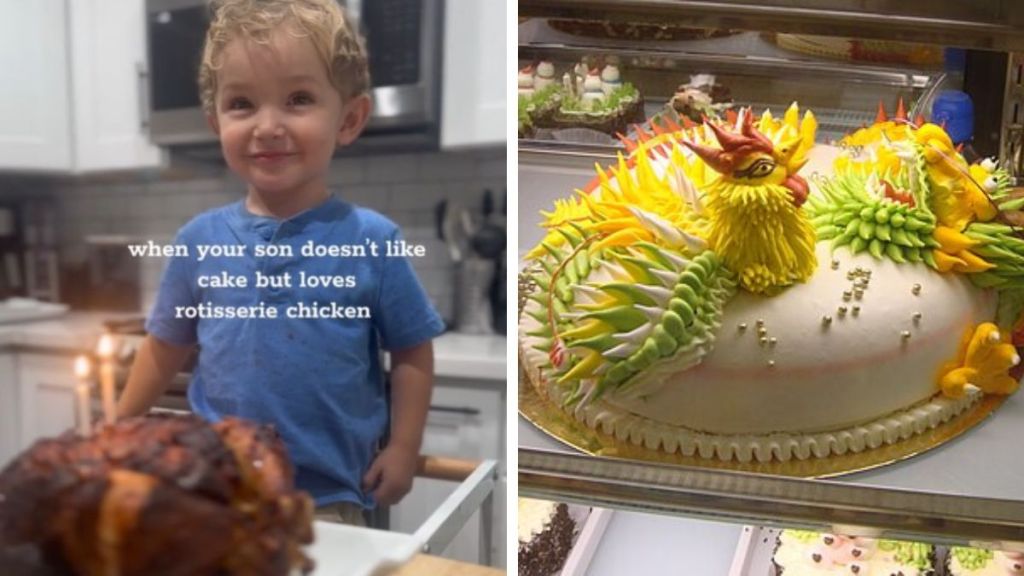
(155, 496)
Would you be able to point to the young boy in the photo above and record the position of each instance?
(284, 82)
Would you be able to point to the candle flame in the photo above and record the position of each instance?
(82, 367)
(105, 348)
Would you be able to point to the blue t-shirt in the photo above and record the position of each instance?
(318, 381)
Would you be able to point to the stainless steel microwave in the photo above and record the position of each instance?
(404, 39)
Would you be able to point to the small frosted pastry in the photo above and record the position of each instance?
(610, 79)
(592, 89)
(526, 81)
(545, 75)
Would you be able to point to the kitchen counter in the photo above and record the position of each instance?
(72, 333)
(470, 356)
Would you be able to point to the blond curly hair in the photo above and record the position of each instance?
(340, 46)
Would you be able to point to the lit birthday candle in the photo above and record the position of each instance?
(83, 396)
(105, 350)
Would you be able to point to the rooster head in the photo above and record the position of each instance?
(749, 157)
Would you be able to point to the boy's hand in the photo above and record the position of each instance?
(391, 473)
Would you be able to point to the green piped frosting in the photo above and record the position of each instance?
(540, 100)
(972, 558)
(914, 554)
(999, 244)
(1001, 194)
(804, 536)
(848, 215)
(673, 298)
(621, 95)
(689, 319)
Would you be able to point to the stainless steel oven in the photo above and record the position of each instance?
(404, 39)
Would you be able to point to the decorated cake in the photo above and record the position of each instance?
(545, 536)
(963, 561)
(801, 553)
(155, 496)
(636, 30)
(701, 97)
(861, 50)
(704, 297)
(591, 95)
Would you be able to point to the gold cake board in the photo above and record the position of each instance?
(563, 427)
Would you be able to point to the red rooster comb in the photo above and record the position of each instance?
(734, 146)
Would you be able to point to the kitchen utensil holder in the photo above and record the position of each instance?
(473, 278)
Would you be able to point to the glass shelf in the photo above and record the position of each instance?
(982, 25)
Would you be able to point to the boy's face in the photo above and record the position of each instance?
(278, 116)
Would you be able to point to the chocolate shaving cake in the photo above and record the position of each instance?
(155, 496)
(545, 536)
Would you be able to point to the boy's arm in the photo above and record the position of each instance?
(156, 363)
(412, 378)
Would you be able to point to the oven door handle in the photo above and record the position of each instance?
(464, 410)
(142, 78)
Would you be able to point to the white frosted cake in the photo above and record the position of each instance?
(703, 297)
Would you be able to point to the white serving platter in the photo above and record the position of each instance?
(592, 522)
(754, 552)
(342, 550)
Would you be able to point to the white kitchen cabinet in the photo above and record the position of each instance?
(46, 390)
(35, 107)
(9, 420)
(473, 110)
(74, 99)
(466, 421)
(109, 84)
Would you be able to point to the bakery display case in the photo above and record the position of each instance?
(840, 59)
(676, 62)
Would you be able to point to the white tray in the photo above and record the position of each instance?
(754, 552)
(593, 522)
(341, 550)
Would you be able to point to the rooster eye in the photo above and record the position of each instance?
(758, 169)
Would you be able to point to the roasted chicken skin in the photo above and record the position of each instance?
(155, 496)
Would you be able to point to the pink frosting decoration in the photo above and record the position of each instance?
(1012, 562)
(841, 550)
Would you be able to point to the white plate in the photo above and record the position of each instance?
(341, 550)
(754, 552)
(590, 523)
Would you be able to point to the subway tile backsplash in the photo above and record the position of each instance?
(404, 187)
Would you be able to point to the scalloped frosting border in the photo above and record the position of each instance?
(783, 447)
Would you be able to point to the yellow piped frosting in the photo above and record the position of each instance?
(984, 360)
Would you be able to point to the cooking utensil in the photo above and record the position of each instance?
(446, 220)
(473, 305)
(488, 239)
